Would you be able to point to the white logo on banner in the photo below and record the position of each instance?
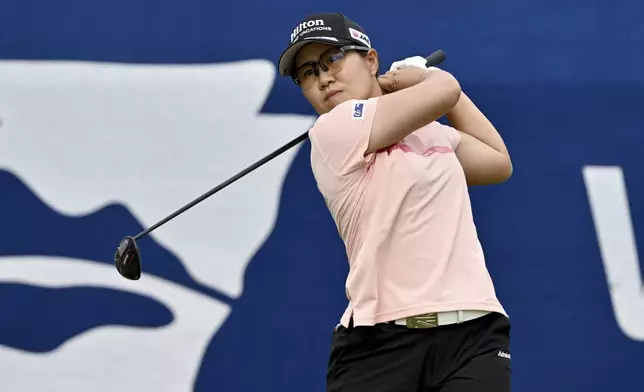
(612, 218)
(152, 137)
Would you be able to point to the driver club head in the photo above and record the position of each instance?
(128, 259)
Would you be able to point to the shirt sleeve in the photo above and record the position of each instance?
(340, 138)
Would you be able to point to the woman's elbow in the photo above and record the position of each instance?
(447, 87)
(452, 89)
(504, 170)
(494, 173)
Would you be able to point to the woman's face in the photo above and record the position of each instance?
(352, 76)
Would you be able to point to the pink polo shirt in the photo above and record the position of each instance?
(404, 215)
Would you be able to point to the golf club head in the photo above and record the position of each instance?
(128, 259)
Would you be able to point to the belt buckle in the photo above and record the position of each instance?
(427, 320)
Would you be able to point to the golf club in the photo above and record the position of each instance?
(128, 258)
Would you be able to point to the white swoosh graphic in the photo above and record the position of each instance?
(153, 137)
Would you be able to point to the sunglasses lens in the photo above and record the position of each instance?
(128, 260)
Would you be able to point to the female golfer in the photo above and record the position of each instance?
(423, 313)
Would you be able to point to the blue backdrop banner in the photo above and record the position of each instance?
(114, 114)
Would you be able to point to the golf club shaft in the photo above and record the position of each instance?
(432, 60)
(224, 184)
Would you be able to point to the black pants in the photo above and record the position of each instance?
(469, 357)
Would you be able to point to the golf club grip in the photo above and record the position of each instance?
(432, 60)
(435, 58)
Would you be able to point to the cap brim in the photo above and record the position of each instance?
(285, 65)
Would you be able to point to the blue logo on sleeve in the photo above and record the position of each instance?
(358, 111)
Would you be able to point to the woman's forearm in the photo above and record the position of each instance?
(467, 118)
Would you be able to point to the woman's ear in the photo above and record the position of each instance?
(372, 58)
